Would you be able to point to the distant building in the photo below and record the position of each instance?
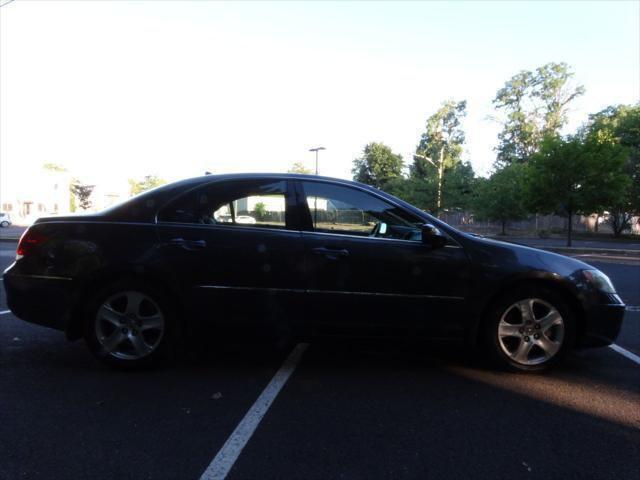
(46, 193)
(103, 197)
(272, 203)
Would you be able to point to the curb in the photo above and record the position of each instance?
(593, 251)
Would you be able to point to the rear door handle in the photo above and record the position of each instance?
(188, 244)
(330, 252)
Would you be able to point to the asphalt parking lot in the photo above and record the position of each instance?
(348, 410)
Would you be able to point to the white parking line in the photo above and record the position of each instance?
(230, 451)
(625, 353)
(5, 311)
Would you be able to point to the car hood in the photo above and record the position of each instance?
(496, 254)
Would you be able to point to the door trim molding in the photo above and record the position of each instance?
(331, 292)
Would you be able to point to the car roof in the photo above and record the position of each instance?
(139, 206)
(145, 205)
(255, 175)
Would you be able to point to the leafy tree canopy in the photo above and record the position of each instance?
(575, 176)
(377, 165)
(458, 188)
(54, 167)
(620, 125)
(440, 147)
(82, 192)
(299, 167)
(261, 210)
(147, 183)
(416, 191)
(534, 105)
(501, 197)
(442, 139)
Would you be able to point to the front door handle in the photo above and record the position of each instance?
(331, 253)
(188, 244)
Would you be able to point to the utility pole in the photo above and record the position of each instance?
(315, 199)
(316, 149)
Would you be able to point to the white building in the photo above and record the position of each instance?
(46, 192)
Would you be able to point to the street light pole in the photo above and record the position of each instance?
(315, 199)
(316, 149)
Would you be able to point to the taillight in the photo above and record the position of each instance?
(28, 241)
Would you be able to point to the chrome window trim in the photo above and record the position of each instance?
(345, 183)
(286, 230)
(332, 292)
(41, 277)
(376, 195)
(208, 184)
(237, 226)
(362, 237)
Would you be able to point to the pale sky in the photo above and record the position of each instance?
(119, 89)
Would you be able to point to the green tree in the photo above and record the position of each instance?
(147, 183)
(620, 125)
(534, 105)
(261, 210)
(82, 192)
(53, 167)
(574, 176)
(458, 187)
(377, 165)
(299, 167)
(440, 146)
(416, 191)
(553, 90)
(501, 197)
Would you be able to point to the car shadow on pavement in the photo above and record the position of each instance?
(375, 412)
(353, 408)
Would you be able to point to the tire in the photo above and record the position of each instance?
(529, 329)
(130, 325)
(4, 224)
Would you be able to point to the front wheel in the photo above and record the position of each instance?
(4, 224)
(529, 330)
(129, 325)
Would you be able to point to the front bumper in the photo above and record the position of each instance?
(603, 323)
(42, 300)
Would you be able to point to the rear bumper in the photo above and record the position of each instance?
(39, 299)
(602, 325)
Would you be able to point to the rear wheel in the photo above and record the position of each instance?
(530, 329)
(130, 325)
(4, 224)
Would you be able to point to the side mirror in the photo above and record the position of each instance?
(432, 236)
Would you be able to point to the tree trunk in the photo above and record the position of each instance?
(620, 221)
(570, 228)
(504, 224)
(595, 227)
(440, 177)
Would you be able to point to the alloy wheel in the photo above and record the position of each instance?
(129, 325)
(531, 331)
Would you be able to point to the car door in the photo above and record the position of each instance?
(234, 251)
(367, 270)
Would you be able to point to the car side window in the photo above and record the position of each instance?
(260, 204)
(343, 210)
